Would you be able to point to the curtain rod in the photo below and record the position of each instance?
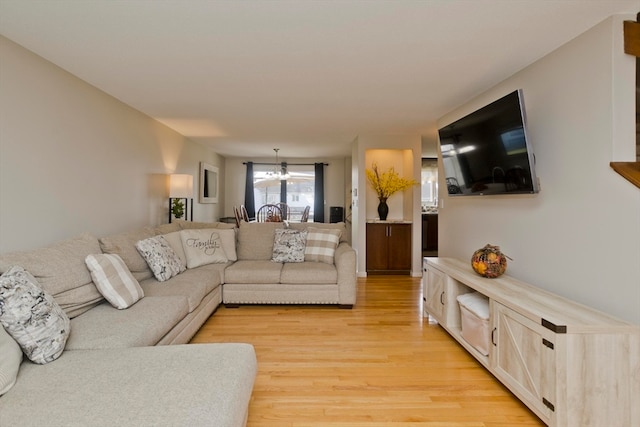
(286, 163)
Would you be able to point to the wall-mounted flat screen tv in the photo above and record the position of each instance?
(487, 152)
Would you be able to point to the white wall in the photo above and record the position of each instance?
(74, 159)
(580, 236)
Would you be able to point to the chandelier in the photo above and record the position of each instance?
(279, 170)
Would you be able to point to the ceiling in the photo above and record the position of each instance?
(308, 77)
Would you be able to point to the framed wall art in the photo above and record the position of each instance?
(209, 183)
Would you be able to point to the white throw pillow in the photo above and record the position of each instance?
(114, 280)
(203, 246)
(289, 245)
(10, 359)
(162, 260)
(32, 317)
(321, 244)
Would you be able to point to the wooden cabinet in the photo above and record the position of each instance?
(430, 232)
(570, 364)
(388, 248)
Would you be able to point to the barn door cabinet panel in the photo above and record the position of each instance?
(570, 364)
(523, 358)
(388, 248)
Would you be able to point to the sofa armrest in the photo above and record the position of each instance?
(345, 261)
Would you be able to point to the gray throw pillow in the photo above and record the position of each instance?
(32, 317)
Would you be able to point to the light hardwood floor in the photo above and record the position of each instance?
(379, 364)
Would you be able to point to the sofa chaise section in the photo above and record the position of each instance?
(189, 385)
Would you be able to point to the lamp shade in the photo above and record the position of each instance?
(180, 186)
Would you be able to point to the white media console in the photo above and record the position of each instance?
(572, 365)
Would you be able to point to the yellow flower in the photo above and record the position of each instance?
(387, 183)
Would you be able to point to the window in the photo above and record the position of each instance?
(298, 191)
(429, 181)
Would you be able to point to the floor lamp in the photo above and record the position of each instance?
(180, 187)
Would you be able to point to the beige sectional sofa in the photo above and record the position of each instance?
(116, 367)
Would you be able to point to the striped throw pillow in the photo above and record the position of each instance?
(114, 280)
(321, 244)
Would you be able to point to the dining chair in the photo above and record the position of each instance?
(244, 215)
(286, 211)
(269, 213)
(236, 213)
(305, 214)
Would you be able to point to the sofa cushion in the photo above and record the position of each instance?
(61, 272)
(188, 225)
(253, 272)
(175, 241)
(344, 237)
(255, 240)
(228, 236)
(167, 228)
(193, 284)
(124, 245)
(32, 317)
(162, 260)
(10, 360)
(203, 246)
(142, 324)
(176, 385)
(288, 245)
(114, 280)
(321, 244)
(309, 272)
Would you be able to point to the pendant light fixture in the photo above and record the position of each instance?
(279, 169)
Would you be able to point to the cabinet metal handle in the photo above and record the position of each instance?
(442, 298)
(493, 341)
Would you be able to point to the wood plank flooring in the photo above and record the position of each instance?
(379, 364)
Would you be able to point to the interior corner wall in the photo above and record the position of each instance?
(580, 236)
(365, 202)
(74, 159)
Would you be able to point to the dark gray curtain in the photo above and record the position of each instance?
(249, 203)
(283, 184)
(318, 204)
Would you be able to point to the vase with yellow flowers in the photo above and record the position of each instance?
(385, 184)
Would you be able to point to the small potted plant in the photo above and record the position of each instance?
(177, 208)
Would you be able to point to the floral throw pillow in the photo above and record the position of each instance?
(289, 245)
(162, 260)
(32, 317)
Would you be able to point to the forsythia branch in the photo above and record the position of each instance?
(387, 183)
